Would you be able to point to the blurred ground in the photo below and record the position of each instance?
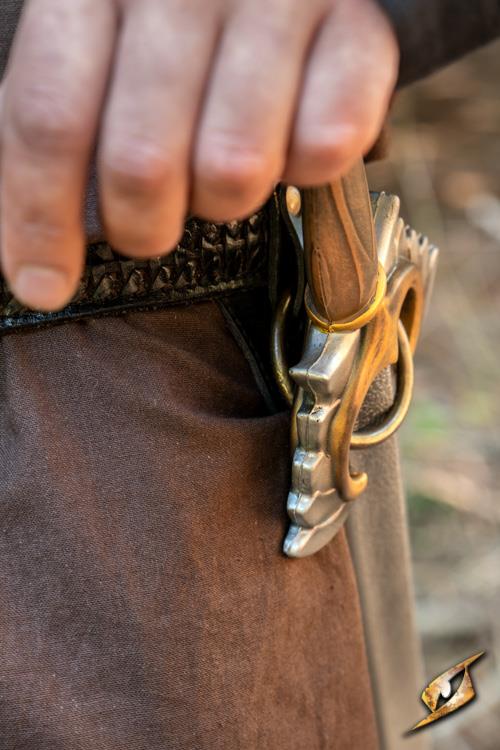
(445, 165)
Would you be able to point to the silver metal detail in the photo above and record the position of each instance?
(315, 508)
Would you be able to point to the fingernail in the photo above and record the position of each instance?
(42, 288)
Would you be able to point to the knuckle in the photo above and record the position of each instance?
(140, 170)
(326, 154)
(47, 123)
(41, 231)
(324, 157)
(236, 179)
(38, 240)
(278, 31)
(273, 25)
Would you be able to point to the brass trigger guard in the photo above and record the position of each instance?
(389, 339)
(371, 437)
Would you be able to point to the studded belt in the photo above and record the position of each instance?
(212, 260)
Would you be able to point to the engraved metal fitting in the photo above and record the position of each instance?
(328, 386)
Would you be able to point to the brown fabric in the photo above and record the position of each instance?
(145, 603)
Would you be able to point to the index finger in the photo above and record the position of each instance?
(53, 94)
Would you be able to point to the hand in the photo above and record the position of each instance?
(192, 105)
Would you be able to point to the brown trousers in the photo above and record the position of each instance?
(145, 602)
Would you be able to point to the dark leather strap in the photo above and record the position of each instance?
(212, 260)
(249, 317)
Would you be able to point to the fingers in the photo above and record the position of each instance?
(215, 101)
(243, 134)
(53, 95)
(347, 88)
(163, 61)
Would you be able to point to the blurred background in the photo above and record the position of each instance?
(445, 165)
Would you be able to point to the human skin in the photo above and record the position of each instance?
(190, 106)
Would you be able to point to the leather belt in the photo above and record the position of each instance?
(212, 260)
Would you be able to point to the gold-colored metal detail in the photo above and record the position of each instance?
(381, 345)
(293, 200)
(370, 437)
(278, 356)
(359, 320)
(388, 333)
(441, 687)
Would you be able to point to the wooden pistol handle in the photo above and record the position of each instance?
(339, 242)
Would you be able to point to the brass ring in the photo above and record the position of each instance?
(375, 436)
(358, 321)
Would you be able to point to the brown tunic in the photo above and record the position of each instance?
(145, 601)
